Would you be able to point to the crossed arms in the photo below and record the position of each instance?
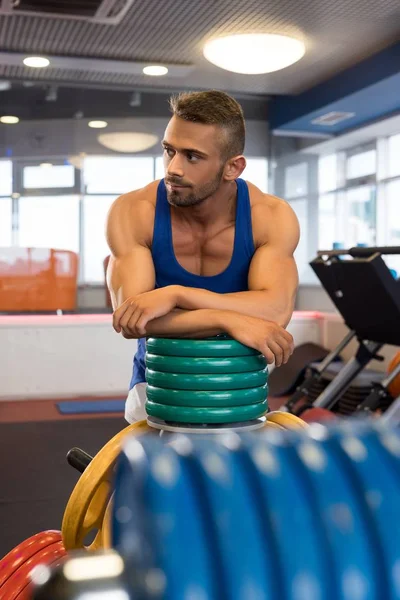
(257, 317)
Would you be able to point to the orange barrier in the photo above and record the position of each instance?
(394, 387)
(38, 279)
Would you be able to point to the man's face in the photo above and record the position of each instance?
(192, 161)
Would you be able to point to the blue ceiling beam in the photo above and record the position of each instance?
(370, 90)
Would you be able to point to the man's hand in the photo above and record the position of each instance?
(133, 315)
(272, 340)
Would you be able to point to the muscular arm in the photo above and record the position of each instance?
(131, 272)
(273, 277)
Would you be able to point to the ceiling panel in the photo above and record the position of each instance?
(337, 35)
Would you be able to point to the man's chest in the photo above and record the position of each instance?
(203, 253)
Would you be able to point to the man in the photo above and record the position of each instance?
(202, 252)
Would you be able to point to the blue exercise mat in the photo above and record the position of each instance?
(98, 406)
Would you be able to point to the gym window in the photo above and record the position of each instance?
(296, 180)
(256, 172)
(48, 222)
(6, 222)
(394, 155)
(50, 177)
(116, 175)
(6, 178)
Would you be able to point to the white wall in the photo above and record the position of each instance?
(81, 355)
(66, 356)
(314, 298)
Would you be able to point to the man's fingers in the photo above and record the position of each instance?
(277, 351)
(287, 348)
(126, 317)
(288, 336)
(118, 314)
(127, 335)
(142, 321)
(133, 317)
(270, 357)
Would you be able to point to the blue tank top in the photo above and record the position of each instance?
(168, 271)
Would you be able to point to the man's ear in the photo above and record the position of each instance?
(234, 167)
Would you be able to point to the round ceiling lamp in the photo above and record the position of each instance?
(254, 53)
(155, 70)
(127, 141)
(9, 120)
(37, 62)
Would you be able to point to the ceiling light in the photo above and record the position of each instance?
(46, 165)
(254, 53)
(37, 62)
(155, 70)
(9, 120)
(128, 141)
(98, 124)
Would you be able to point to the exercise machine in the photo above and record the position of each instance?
(366, 294)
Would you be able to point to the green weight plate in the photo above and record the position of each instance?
(228, 398)
(190, 364)
(186, 414)
(184, 381)
(218, 347)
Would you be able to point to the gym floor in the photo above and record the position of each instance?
(35, 439)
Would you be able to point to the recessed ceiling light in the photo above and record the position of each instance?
(9, 120)
(155, 70)
(254, 53)
(37, 62)
(46, 165)
(98, 124)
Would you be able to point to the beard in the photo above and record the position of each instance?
(189, 196)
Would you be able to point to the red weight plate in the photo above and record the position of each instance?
(317, 415)
(27, 592)
(20, 578)
(23, 552)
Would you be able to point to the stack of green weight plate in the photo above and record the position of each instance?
(217, 380)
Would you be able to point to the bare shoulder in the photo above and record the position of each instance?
(272, 217)
(131, 217)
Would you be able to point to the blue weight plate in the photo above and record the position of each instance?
(287, 508)
(179, 528)
(233, 522)
(365, 460)
(131, 529)
(389, 439)
(340, 512)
